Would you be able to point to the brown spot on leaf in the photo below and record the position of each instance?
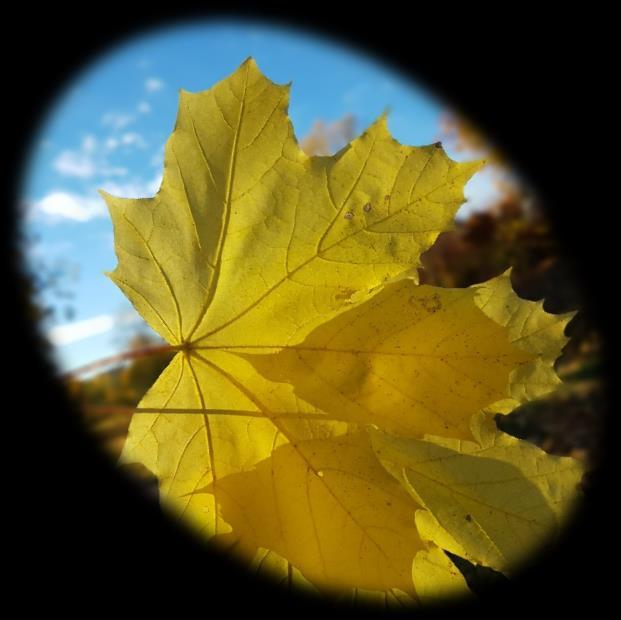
(345, 293)
(432, 303)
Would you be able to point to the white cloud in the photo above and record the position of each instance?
(80, 330)
(143, 107)
(153, 84)
(154, 184)
(113, 171)
(75, 331)
(111, 143)
(133, 138)
(60, 205)
(117, 121)
(74, 164)
(136, 188)
(88, 160)
(91, 158)
(89, 143)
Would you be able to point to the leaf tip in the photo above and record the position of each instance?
(566, 318)
(251, 66)
(379, 127)
(107, 198)
(472, 167)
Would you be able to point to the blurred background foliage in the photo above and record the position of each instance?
(511, 233)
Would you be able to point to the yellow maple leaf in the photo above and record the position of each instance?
(287, 284)
(493, 502)
(413, 359)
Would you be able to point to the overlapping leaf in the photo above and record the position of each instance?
(294, 420)
(413, 359)
(493, 502)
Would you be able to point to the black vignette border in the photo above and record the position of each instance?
(525, 81)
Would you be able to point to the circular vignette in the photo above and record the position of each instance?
(61, 397)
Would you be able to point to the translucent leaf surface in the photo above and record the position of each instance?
(285, 282)
(498, 501)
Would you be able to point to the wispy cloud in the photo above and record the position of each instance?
(75, 331)
(91, 159)
(74, 164)
(136, 188)
(80, 330)
(143, 107)
(61, 205)
(133, 138)
(153, 84)
(89, 143)
(111, 143)
(78, 163)
(116, 120)
(112, 171)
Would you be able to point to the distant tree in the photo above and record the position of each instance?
(327, 138)
(48, 279)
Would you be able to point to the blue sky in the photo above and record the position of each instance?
(108, 128)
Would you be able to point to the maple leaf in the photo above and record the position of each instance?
(355, 365)
(493, 501)
(314, 377)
